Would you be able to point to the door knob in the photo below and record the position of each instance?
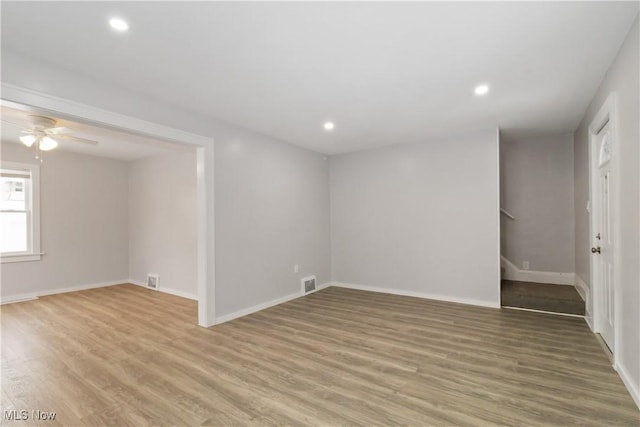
(595, 250)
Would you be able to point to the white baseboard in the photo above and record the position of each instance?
(555, 313)
(584, 292)
(582, 288)
(589, 319)
(17, 298)
(34, 295)
(166, 290)
(634, 389)
(511, 272)
(446, 298)
(264, 305)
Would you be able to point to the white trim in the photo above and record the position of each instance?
(607, 112)
(34, 101)
(511, 272)
(34, 295)
(633, 389)
(255, 308)
(533, 310)
(589, 319)
(585, 294)
(33, 231)
(19, 97)
(182, 294)
(495, 246)
(165, 290)
(265, 305)
(582, 288)
(405, 293)
(201, 192)
(17, 298)
(28, 257)
(206, 264)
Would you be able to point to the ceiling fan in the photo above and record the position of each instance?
(43, 132)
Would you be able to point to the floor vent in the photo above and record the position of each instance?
(308, 284)
(153, 281)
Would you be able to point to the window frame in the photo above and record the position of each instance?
(33, 215)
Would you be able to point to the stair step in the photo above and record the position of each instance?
(542, 296)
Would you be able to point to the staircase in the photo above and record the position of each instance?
(562, 299)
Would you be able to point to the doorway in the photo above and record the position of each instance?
(44, 104)
(603, 222)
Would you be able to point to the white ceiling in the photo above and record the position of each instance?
(111, 143)
(384, 72)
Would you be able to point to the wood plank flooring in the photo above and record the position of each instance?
(124, 355)
(541, 296)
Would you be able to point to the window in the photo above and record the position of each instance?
(19, 212)
(605, 149)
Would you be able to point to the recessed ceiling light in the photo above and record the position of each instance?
(329, 126)
(118, 24)
(481, 90)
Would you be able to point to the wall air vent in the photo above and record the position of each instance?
(153, 281)
(308, 284)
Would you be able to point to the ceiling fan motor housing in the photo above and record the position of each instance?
(42, 122)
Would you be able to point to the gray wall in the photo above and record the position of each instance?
(266, 271)
(420, 218)
(622, 77)
(83, 217)
(536, 186)
(163, 221)
(272, 211)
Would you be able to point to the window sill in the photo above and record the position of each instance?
(20, 258)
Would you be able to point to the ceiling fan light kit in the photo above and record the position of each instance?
(47, 143)
(28, 140)
(44, 134)
(44, 142)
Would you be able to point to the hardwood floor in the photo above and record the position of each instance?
(127, 356)
(542, 296)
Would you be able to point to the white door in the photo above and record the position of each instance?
(602, 250)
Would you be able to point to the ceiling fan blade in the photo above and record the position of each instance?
(21, 126)
(77, 139)
(59, 130)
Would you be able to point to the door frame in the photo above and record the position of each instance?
(30, 100)
(607, 113)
